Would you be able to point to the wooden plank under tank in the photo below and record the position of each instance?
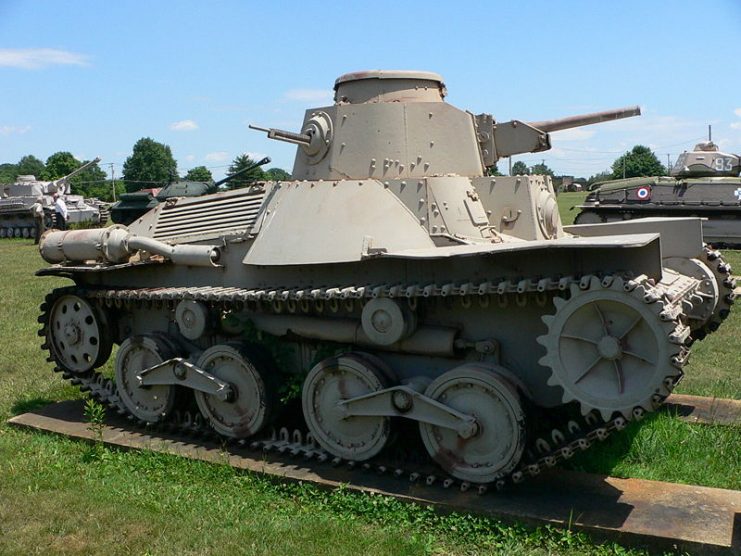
(665, 516)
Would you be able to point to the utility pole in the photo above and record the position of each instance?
(510, 165)
(624, 157)
(113, 182)
(668, 161)
(710, 132)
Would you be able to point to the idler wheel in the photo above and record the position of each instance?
(78, 334)
(340, 378)
(148, 403)
(249, 408)
(608, 349)
(496, 446)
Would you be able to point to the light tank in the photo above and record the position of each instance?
(16, 217)
(133, 206)
(390, 296)
(703, 183)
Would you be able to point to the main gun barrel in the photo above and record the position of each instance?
(78, 170)
(586, 119)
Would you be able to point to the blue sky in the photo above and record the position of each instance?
(92, 77)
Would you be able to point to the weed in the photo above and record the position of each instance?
(95, 414)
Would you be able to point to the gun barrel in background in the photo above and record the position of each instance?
(586, 119)
(78, 170)
(262, 162)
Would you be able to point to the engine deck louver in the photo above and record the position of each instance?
(211, 216)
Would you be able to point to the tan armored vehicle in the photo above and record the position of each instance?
(390, 282)
(704, 182)
(16, 216)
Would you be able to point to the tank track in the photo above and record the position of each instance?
(573, 435)
(727, 284)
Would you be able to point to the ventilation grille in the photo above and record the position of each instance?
(212, 216)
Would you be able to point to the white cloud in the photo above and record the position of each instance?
(219, 156)
(184, 125)
(736, 125)
(37, 58)
(190, 157)
(13, 129)
(309, 95)
(574, 134)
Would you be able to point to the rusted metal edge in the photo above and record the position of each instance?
(709, 411)
(635, 512)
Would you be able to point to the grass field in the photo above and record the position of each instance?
(61, 496)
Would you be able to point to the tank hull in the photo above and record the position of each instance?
(717, 200)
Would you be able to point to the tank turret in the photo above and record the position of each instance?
(396, 124)
(706, 160)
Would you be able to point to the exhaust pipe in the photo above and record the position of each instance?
(116, 244)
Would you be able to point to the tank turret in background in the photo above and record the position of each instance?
(706, 160)
(390, 280)
(16, 218)
(704, 182)
(133, 206)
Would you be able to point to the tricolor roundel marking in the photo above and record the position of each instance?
(643, 193)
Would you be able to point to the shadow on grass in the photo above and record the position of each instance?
(24, 406)
(605, 456)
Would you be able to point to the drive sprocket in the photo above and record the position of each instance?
(611, 348)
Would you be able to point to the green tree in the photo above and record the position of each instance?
(519, 168)
(541, 169)
(103, 190)
(91, 182)
(493, 171)
(150, 165)
(60, 164)
(29, 164)
(277, 174)
(199, 173)
(239, 163)
(8, 173)
(638, 162)
(600, 176)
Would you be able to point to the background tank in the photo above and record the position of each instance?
(390, 286)
(134, 205)
(16, 219)
(704, 182)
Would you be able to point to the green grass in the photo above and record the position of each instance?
(566, 201)
(61, 496)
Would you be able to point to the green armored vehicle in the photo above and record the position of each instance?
(703, 183)
(397, 289)
(133, 206)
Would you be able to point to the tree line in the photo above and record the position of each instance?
(640, 161)
(150, 165)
